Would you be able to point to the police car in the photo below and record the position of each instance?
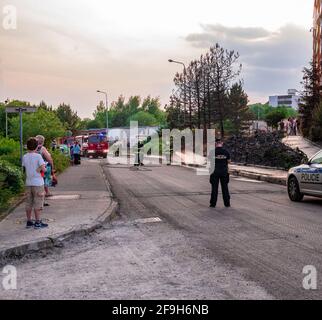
(306, 179)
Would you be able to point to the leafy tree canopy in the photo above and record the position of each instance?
(67, 116)
(42, 122)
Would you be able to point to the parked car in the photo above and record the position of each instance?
(306, 179)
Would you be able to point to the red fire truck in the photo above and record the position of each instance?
(97, 145)
(93, 142)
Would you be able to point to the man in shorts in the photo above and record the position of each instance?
(34, 165)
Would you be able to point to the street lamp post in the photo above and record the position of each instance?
(105, 93)
(184, 87)
(6, 102)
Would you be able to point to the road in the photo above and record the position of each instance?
(168, 244)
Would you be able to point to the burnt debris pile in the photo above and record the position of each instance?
(265, 149)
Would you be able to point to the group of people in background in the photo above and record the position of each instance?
(289, 126)
(71, 150)
(40, 175)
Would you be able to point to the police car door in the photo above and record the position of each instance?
(314, 176)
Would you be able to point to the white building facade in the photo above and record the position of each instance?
(291, 99)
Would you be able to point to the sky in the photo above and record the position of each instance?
(64, 51)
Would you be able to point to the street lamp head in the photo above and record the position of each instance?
(170, 60)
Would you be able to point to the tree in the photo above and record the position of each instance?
(83, 124)
(239, 113)
(151, 105)
(316, 129)
(275, 117)
(133, 105)
(144, 119)
(67, 116)
(310, 99)
(260, 111)
(43, 105)
(201, 90)
(2, 120)
(222, 73)
(174, 115)
(42, 122)
(119, 113)
(100, 116)
(94, 124)
(100, 108)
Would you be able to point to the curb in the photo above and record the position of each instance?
(315, 144)
(13, 206)
(259, 177)
(249, 175)
(57, 240)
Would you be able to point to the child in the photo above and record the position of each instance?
(34, 165)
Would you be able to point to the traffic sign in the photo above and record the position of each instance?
(18, 110)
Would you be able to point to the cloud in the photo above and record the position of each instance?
(272, 60)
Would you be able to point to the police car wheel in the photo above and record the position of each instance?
(294, 190)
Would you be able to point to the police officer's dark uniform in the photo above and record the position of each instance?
(139, 161)
(220, 158)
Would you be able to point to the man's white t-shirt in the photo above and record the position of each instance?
(32, 161)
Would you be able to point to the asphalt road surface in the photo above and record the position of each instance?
(168, 244)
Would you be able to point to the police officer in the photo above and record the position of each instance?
(139, 154)
(220, 158)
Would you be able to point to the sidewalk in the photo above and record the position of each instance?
(305, 145)
(81, 202)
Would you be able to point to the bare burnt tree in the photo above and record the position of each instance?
(222, 73)
(202, 90)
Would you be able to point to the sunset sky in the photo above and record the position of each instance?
(63, 51)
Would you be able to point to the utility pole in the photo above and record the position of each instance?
(184, 88)
(6, 102)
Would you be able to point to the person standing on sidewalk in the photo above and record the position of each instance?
(34, 164)
(219, 158)
(50, 171)
(76, 153)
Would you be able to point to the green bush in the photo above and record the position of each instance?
(61, 162)
(8, 146)
(12, 177)
(11, 182)
(12, 158)
(10, 151)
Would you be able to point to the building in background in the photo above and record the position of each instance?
(291, 99)
(317, 33)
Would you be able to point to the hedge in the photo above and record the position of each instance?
(11, 182)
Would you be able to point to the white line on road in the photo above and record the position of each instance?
(148, 220)
(65, 197)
